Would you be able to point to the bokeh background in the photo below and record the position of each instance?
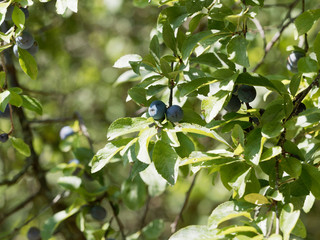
(77, 52)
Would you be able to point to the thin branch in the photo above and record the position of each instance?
(19, 206)
(261, 31)
(277, 35)
(17, 176)
(145, 213)
(120, 224)
(179, 217)
(51, 120)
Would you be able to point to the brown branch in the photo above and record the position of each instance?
(179, 217)
(17, 176)
(145, 213)
(19, 206)
(51, 120)
(120, 224)
(277, 35)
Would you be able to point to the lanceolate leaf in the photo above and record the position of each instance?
(104, 155)
(195, 232)
(125, 126)
(194, 128)
(237, 51)
(253, 147)
(28, 63)
(20, 146)
(229, 210)
(288, 219)
(166, 161)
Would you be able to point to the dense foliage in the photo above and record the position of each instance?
(226, 93)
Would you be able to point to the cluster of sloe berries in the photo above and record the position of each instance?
(244, 93)
(25, 40)
(158, 110)
(292, 61)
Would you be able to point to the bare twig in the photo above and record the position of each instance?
(17, 176)
(277, 35)
(52, 120)
(144, 216)
(120, 224)
(177, 219)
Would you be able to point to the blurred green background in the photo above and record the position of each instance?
(75, 61)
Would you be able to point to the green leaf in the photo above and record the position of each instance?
(307, 65)
(143, 144)
(70, 182)
(4, 100)
(191, 42)
(18, 17)
(63, 5)
(124, 61)
(237, 135)
(166, 161)
(104, 155)
(154, 48)
(316, 46)
(214, 158)
(212, 105)
(258, 80)
(310, 175)
(139, 95)
(300, 230)
(270, 153)
(168, 36)
(189, 87)
(125, 126)
(238, 184)
(194, 128)
(253, 147)
(20, 146)
(229, 210)
(156, 183)
(15, 99)
(154, 229)
(256, 199)
(134, 193)
(305, 21)
(32, 104)
(292, 166)
(209, 59)
(292, 148)
(237, 51)
(28, 63)
(238, 229)
(295, 83)
(231, 172)
(165, 68)
(51, 224)
(288, 219)
(195, 232)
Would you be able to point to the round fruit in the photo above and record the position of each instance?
(174, 113)
(25, 40)
(157, 110)
(234, 104)
(34, 234)
(292, 61)
(4, 137)
(98, 212)
(247, 93)
(34, 48)
(15, 50)
(65, 132)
